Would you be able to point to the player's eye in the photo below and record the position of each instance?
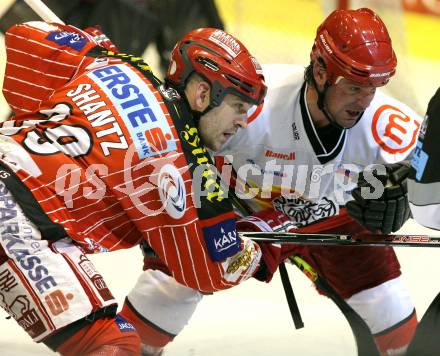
(239, 108)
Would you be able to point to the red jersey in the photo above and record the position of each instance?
(113, 156)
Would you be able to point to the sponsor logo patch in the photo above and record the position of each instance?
(227, 42)
(70, 39)
(288, 156)
(393, 130)
(19, 305)
(57, 302)
(243, 260)
(97, 280)
(172, 191)
(138, 106)
(243, 264)
(222, 240)
(124, 325)
(17, 248)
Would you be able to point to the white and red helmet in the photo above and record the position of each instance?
(220, 59)
(355, 44)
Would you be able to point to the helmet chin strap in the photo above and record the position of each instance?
(321, 106)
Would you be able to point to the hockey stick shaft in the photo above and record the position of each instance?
(290, 297)
(361, 332)
(345, 240)
(43, 11)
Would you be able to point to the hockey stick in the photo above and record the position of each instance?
(364, 339)
(345, 240)
(290, 297)
(43, 11)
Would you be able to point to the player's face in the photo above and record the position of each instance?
(223, 121)
(347, 100)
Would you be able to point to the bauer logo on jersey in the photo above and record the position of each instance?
(172, 191)
(222, 240)
(393, 130)
(138, 106)
(70, 39)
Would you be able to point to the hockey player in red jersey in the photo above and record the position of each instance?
(100, 156)
(313, 134)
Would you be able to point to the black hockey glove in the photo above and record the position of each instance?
(388, 212)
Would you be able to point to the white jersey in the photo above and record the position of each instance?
(291, 166)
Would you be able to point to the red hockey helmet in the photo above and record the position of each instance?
(355, 44)
(222, 60)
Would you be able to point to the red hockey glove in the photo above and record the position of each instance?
(101, 38)
(272, 254)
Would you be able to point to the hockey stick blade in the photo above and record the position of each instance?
(344, 240)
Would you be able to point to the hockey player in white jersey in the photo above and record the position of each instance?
(315, 131)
